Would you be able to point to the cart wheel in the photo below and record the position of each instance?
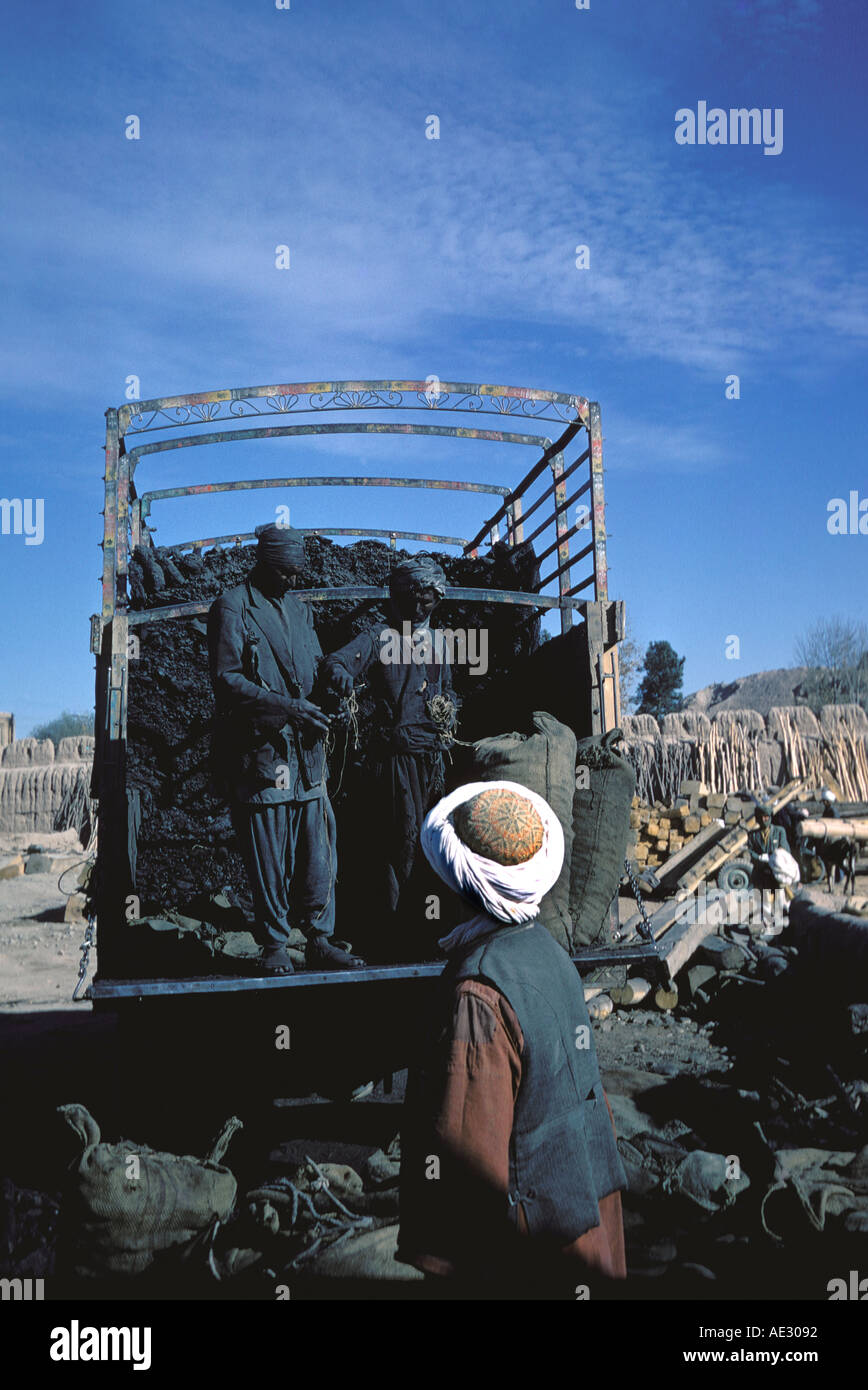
(735, 875)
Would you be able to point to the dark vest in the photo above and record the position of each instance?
(563, 1156)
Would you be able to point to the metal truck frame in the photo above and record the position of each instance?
(535, 508)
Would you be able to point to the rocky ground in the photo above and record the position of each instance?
(39, 952)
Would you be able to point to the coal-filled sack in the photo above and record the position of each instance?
(128, 1204)
(542, 759)
(601, 825)
(831, 936)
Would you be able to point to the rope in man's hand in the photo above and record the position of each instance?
(443, 714)
(348, 714)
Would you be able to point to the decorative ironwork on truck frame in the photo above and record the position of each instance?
(127, 511)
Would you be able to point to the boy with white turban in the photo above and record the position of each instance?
(510, 1174)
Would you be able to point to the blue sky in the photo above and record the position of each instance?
(454, 257)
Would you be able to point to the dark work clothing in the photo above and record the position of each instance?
(264, 652)
(789, 821)
(834, 854)
(761, 842)
(765, 842)
(560, 1161)
(401, 685)
(403, 778)
(290, 856)
(403, 788)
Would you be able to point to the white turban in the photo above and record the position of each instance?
(509, 892)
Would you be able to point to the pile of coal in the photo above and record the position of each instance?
(186, 847)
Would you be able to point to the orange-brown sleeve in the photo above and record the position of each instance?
(476, 1095)
(483, 1071)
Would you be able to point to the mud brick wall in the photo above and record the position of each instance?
(36, 781)
(740, 750)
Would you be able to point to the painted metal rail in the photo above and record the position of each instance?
(640, 952)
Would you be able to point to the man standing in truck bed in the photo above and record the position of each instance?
(406, 664)
(269, 753)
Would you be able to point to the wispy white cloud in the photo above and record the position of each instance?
(398, 240)
(642, 446)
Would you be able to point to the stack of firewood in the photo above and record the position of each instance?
(658, 830)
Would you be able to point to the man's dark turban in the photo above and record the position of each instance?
(280, 545)
(422, 572)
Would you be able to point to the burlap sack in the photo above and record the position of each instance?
(127, 1203)
(832, 943)
(601, 825)
(544, 761)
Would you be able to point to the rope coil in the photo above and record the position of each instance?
(443, 713)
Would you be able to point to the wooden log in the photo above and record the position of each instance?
(686, 936)
(633, 992)
(671, 911)
(691, 787)
(709, 864)
(704, 839)
(834, 829)
(666, 999)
